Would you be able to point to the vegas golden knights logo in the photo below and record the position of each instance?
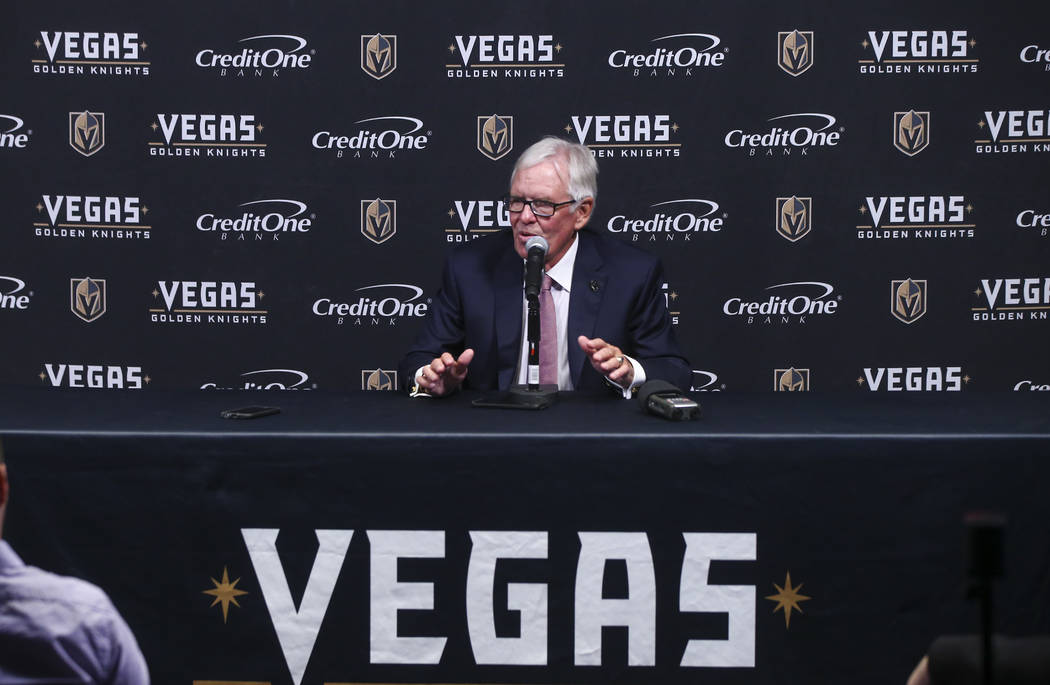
(378, 379)
(790, 380)
(87, 297)
(87, 131)
(795, 49)
(378, 219)
(495, 135)
(794, 217)
(911, 131)
(378, 55)
(909, 300)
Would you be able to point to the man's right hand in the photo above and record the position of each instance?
(445, 374)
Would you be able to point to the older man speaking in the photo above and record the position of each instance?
(612, 325)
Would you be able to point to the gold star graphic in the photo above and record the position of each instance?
(787, 599)
(980, 124)
(225, 592)
(39, 207)
(451, 213)
(863, 209)
(452, 49)
(145, 209)
(153, 125)
(865, 43)
(259, 127)
(967, 379)
(675, 127)
(155, 293)
(969, 208)
(43, 375)
(143, 45)
(973, 43)
(977, 292)
(260, 293)
(674, 295)
(558, 47)
(568, 128)
(860, 380)
(37, 43)
(148, 380)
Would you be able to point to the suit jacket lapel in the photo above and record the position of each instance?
(507, 277)
(588, 288)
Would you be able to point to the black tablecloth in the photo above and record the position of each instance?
(859, 499)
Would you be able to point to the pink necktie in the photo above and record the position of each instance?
(548, 335)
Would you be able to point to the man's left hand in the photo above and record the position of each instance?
(608, 360)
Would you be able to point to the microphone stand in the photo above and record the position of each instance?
(532, 322)
(532, 395)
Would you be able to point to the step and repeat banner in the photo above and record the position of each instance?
(261, 195)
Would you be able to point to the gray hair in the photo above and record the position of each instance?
(581, 176)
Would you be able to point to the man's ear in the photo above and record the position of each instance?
(583, 212)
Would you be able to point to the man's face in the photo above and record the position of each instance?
(542, 182)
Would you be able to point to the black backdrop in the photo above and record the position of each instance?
(670, 158)
(992, 239)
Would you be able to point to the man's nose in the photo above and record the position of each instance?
(530, 217)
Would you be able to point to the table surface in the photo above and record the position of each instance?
(321, 414)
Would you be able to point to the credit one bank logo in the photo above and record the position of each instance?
(788, 303)
(786, 134)
(381, 304)
(256, 56)
(679, 218)
(672, 56)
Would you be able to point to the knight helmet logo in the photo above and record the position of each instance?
(794, 217)
(908, 301)
(87, 297)
(795, 51)
(378, 219)
(378, 379)
(790, 380)
(495, 136)
(87, 131)
(911, 131)
(378, 55)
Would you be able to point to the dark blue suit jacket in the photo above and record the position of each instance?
(615, 296)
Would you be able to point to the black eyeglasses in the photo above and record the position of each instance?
(544, 208)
